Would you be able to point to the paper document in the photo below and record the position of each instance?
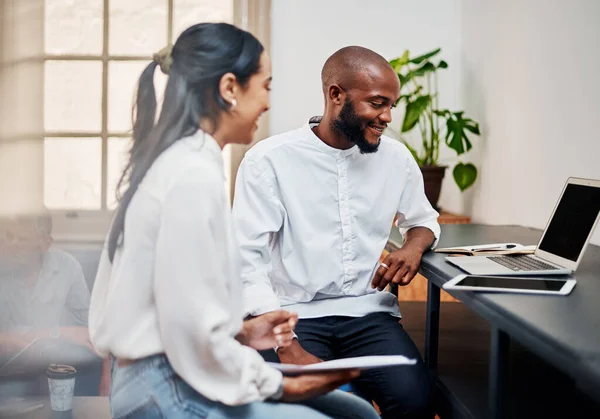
(360, 362)
(490, 249)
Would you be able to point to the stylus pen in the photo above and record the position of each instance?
(508, 246)
(7, 363)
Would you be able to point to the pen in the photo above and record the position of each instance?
(508, 246)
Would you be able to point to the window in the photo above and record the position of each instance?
(94, 51)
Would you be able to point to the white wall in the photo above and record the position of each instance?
(305, 32)
(531, 76)
(21, 110)
(525, 69)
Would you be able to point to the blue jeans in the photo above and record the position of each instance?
(149, 388)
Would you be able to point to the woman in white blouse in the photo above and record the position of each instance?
(166, 304)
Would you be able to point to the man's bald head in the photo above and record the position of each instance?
(360, 89)
(346, 65)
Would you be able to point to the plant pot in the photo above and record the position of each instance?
(432, 177)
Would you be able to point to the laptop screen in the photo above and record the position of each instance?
(572, 221)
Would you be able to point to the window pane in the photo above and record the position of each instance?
(137, 27)
(72, 173)
(118, 153)
(122, 84)
(73, 26)
(72, 96)
(189, 12)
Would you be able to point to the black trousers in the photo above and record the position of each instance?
(400, 392)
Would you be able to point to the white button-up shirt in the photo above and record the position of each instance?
(60, 296)
(174, 284)
(312, 222)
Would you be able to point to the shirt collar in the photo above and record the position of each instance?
(45, 288)
(320, 144)
(201, 140)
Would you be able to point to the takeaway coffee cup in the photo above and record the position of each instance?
(61, 382)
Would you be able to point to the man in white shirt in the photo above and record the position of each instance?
(313, 209)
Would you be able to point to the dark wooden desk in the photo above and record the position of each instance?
(83, 408)
(565, 331)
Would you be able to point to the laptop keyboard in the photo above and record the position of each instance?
(522, 263)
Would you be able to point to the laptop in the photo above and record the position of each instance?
(563, 243)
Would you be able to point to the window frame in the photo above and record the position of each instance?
(91, 225)
(105, 58)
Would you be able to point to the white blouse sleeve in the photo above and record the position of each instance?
(193, 298)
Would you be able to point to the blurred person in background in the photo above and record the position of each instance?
(44, 302)
(166, 303)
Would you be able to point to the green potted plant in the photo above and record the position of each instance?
(420, 101)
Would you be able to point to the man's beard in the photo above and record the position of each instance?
(349, 125)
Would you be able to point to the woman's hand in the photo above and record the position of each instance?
(268, 330)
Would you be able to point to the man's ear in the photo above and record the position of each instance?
(336, 94)
(228, 87)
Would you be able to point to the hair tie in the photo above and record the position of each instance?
(164, 58)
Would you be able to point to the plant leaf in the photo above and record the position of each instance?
(472, 126)
(468, 144)
(442, 64)
(456, 137)
(402, 79)
(464, 175)
(421, 58)
(406, 78)
(404, 97)
(419, 72)
(425, 68)
(398, 63)
(414, 110)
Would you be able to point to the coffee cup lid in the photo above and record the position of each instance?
(58, 371)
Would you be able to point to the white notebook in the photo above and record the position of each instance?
(360, 362)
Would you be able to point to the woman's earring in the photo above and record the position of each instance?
(233, 104)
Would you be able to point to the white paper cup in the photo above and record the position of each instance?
(61, 383)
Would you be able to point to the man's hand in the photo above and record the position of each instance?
(296, 354)
(311, 385)
(11, 343)
(401, 266)
(268, 330)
